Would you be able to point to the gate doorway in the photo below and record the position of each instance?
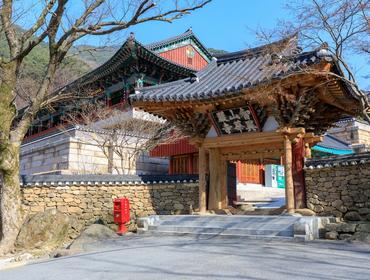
(231, 183)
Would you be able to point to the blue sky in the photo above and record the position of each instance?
(222, 24)
(228, 25)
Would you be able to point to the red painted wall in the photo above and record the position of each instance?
(181, 147)
(249, 172)
(179, 56)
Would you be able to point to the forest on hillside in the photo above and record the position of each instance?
(80, 60)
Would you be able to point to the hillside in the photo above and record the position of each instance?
(81, 60)
(36, 62)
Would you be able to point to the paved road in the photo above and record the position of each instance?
(142, 257)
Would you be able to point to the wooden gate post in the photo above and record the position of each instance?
(202, 179)
(289, 187)
(214, 201)
(223, 184)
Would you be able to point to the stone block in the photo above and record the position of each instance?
(365, 227)
(37, 208)
(346, 227)
(178, 206)
(318, 208)
(352, 216)
(362, 236)
(337, 203)
(345, 236)
(74, 210)
(364, 211)
(332, 235)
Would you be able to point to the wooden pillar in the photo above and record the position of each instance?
(298, 153)
(289, 188)
(214, 201)
(223, 184)
(307, 150)
(202, 163)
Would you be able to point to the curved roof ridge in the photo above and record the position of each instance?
(112, 63)
(165, 59)
(183, 36)
(198, 74)
(232, 73)
(289, 43)
(161, 43)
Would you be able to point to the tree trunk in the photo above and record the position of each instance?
(10, 199)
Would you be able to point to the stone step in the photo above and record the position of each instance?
(206, 235)
(282, 231)
(232, 224)
(227, 218)
(293, 227)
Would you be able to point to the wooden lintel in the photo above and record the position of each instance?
(313, 140)
(252, 148)
(292, 131)
(196, 141)
(204, 108)
(253, 156)
(251, 138)
(309, 135)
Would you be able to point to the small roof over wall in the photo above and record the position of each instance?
(333, 145)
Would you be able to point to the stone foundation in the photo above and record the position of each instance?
(359, 231)
(91, 201)
(339, 186)
(76, 152)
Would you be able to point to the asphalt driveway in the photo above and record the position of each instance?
(144, 257)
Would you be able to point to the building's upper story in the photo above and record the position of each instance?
(134, 65)
(354, 131)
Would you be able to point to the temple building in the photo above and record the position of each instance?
(354, 131)
(182, 64)
(267, 104)
(49, 149)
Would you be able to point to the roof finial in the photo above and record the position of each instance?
(132, 36)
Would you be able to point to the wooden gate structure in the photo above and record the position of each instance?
(268, 102)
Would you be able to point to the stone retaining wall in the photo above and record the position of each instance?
(339, 186)
(91, 201)
(77, 151)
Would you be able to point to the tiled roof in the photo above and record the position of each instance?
(337, 161)
(332, 142)
(230, 73)
(130, 48)
(332, 145)
(106, 179)
(188, 34)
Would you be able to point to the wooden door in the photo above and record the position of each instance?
(250, 172)
(231, 183)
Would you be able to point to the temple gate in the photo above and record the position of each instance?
(269, 102)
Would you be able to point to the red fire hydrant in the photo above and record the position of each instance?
(121, 214)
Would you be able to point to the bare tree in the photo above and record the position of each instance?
(59, 24)
(121, 136)
(339, 26)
